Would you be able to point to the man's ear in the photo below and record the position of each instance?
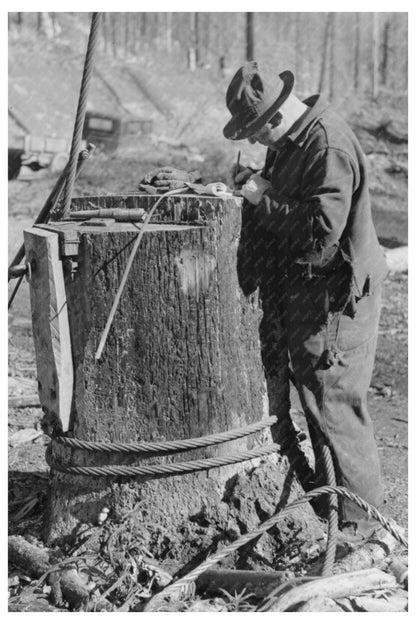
(276, 120)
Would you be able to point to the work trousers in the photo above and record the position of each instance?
(332, 353)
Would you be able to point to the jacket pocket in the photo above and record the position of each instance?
(353, 332)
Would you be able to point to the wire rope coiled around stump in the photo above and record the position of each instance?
(174, 446)
(162, 469)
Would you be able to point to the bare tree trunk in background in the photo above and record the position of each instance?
(156, 30)
(357, 53)
(219, 43)
(249, 36)
(126, 19)
(406, 58)
(135, 32)
(206, 30)
(332, 63)
(324, 60)
(193, 47)
(399, 57)
(309, 43)
(45, 25)
(298, 45)
(374, 90)
(168, 37)
(113, 34)
(385, 53)
(19, 19)
(105, 33)
(143, 26)
(55, 25)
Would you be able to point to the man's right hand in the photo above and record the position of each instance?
(241, 176)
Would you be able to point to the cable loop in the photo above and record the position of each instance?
(157, 470)
(174, 446)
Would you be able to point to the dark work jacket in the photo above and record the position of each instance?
(316, 217)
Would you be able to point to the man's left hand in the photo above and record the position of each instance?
(254, 188)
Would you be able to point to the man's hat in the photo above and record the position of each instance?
(251, 99)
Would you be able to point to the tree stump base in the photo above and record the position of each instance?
(182, 360)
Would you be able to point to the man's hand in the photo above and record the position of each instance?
(170, 177)
(254, 188)
(240, 175)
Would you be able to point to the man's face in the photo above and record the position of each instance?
(269, 134)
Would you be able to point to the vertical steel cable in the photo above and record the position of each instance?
(332, 512)
(80, 116)
(332, 501)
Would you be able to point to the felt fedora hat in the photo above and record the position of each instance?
(253, 98)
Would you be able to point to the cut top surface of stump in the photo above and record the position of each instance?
(180, 208)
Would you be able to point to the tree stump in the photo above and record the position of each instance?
(182, 360)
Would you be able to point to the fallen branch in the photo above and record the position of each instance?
(368, 555)
(337, 586)
(35, 561)
(400, 571)
(30, 400)
(258, 583)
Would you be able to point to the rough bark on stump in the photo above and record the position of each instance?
(182, 360)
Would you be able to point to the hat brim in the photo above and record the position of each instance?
(237, 129)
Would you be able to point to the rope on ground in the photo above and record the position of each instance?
(169, 446)
(181, 584)
(163, 469)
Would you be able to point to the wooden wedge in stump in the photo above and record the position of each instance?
(182, 360)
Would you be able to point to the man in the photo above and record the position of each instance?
(308, 242)
(309, 245)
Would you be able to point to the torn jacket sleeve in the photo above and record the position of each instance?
(315, 220)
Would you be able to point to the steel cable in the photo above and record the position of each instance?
(174, 446)
(332, 513)
(162, 469)
(180, 585)
(80, 115)
(130, 260)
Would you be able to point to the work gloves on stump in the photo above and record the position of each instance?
(252, 185)
(170, 178)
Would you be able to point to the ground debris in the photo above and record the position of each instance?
(397, 601)
(207, 605)
(23, 436)
(336, 586)
(320, 603)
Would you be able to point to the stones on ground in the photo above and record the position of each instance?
(320, 603)
(24, 436)
(396, 602)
